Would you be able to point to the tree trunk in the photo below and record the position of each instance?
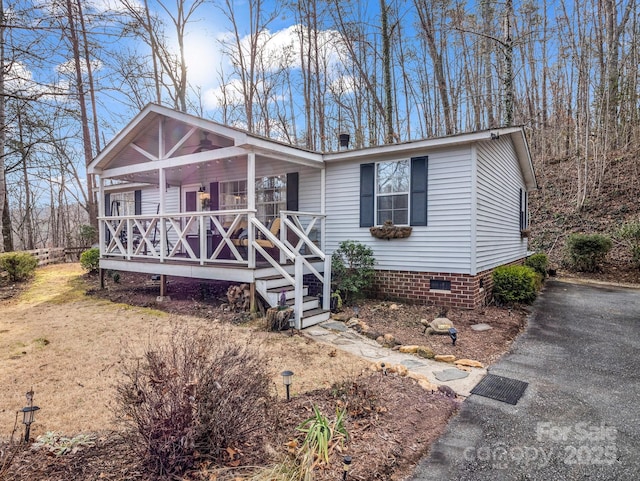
(386, 73)
(3, 134)
(84, 119)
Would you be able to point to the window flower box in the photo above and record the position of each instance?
(389, 231)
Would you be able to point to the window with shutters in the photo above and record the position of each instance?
(392, 192)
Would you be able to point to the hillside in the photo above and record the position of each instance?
(554, 213)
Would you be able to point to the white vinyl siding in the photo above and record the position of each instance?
(444, 245)
(499, 182)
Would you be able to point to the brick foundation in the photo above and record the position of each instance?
(467, 291)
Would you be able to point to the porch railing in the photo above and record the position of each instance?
(227, 236)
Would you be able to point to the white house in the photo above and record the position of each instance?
(185, 196)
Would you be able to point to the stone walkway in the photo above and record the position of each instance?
(339, 335)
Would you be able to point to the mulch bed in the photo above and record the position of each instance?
(403, 322)
(391, 423)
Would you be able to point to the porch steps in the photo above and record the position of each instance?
(271, 288)
(314, 316)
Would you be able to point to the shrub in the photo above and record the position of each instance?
(87, 234)
(19, 265)
(539, 263)
(514, 284)
(90, 260)
(629, 234)
(352, 270)
(192, 397)
(587, 251)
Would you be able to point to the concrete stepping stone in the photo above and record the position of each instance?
(336, 326)
(481, 327)
(450, 375)
(410, 363)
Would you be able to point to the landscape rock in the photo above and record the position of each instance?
(390, 340)
(380, 340)
(374, 335)
(394, 307)
(409, 349)
(401, 370)
(447, 391)
(468, 363)
(340, 316)
(425, 352)
(481, 327)
(427, 386)
(353, 322)
(445, 357)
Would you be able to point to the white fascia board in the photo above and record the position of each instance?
(128, 186)
(283, 152)
(206, 156)
(124, 137)
(524, 158)
(409, 147)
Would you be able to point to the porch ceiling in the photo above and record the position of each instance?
(162, 137)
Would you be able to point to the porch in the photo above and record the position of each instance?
(184, 196)
(229, 245)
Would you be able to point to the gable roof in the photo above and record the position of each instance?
(159, 133)
(417, 147)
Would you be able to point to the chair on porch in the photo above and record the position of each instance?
(243, 241)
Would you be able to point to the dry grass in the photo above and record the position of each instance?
(67, 346)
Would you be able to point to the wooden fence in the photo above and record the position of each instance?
(52, 255)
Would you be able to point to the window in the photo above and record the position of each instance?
(395, 191)
(122, 203)
(392, 192)
(271, 196)
(439, 285)
(233, 195)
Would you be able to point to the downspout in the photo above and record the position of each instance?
(474, 211)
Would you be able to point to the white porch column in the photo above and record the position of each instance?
(101, 211)
(251, 205)
(323, 207)
(162, 186)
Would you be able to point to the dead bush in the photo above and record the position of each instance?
(195, 396)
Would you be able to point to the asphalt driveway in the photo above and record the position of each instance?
(578, 419)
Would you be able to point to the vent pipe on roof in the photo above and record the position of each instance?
(344, 141)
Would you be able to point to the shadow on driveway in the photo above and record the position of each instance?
(578, 419)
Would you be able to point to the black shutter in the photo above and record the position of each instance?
(137, 197)
(367, 191)
(419, 181)
(107, 212)
(521, 212)
(190, 199)
(292, 191)
(214, 199)
(526, 209)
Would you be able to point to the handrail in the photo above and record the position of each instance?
(166, 237)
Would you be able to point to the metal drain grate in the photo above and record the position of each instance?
(500, 388)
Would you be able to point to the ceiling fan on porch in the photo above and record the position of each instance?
(205, 144)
